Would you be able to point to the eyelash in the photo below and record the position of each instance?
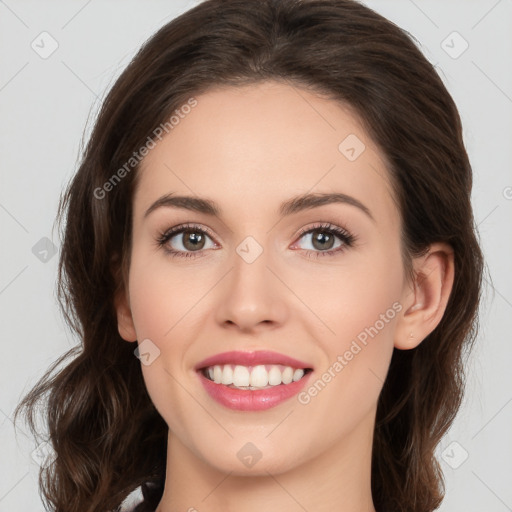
(347, 239)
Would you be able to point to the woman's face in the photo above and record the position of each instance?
(252, 278)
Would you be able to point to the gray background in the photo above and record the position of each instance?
(46, 103)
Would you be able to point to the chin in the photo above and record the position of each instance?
(273, 463)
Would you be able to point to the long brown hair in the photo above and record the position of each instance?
(107, 435)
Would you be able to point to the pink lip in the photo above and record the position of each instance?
(252, 359)
(251, 400)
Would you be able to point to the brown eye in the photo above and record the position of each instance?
(193, 240)
(185, 241)
(322, 240)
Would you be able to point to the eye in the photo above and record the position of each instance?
(323, 239)
(193, 240)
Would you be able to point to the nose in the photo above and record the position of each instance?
(251, 296)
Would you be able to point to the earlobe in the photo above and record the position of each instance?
(426, 298)
(125, 323)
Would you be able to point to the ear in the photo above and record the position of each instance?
(425, 299)
(125, 323)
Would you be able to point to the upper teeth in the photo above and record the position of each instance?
(254, 376)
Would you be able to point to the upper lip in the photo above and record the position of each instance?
(259, 357)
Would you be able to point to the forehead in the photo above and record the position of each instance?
(257, 145)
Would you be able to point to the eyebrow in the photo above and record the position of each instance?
(289, 207)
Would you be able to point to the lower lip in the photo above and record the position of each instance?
(252, 400)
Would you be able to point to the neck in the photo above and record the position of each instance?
(337, 480)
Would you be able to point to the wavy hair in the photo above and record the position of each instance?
(107, 436)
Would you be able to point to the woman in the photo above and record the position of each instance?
(271, 261)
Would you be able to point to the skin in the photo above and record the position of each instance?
(249, 149)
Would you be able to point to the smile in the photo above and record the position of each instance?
(252, 381)
(253, 377)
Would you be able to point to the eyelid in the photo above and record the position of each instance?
(189, 225)
(202, 227)
(323, 225)
(347, 238)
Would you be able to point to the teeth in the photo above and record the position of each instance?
(217, 374)
(287, 375)
(255, 377)
(298, 374)
(259, 377)
(274, 376)
(241, 376)
(227, 375)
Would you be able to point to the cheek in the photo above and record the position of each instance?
(347, 386)
(360, 305)
(353, 297)
(157, 307)
(160, 295)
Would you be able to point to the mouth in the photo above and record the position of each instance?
(252, 381)
(253, 377)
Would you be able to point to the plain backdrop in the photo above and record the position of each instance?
(47, 103)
